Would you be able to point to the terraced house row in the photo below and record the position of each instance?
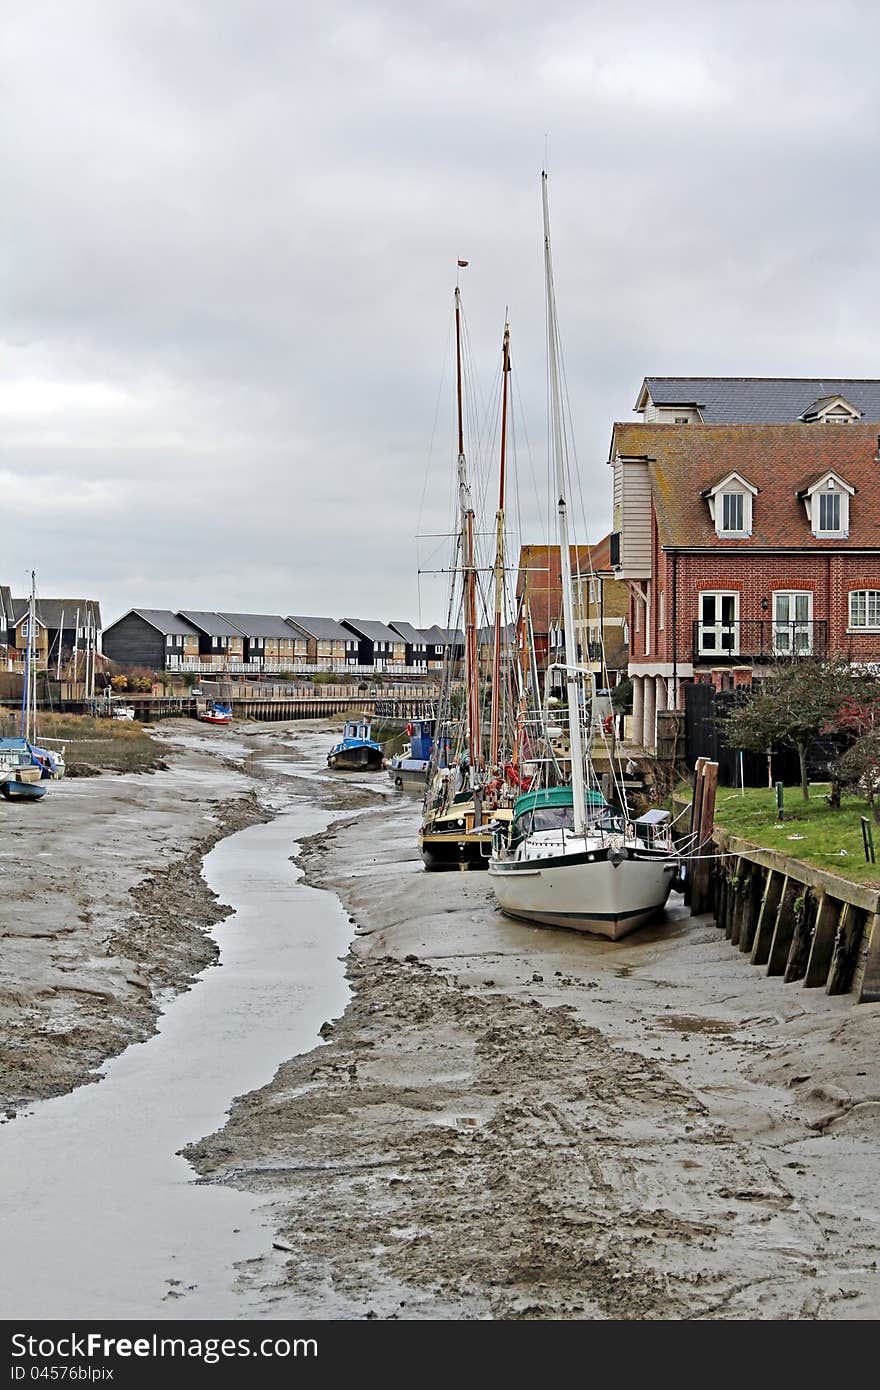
(249, 643)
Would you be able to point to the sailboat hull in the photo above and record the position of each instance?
(584, 893)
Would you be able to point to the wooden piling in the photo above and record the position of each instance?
(846, 948)
(805, 921)
(766, 922)
(700, 890)
(822, 942)
(867, 981)
(754, 897)
(783, 929)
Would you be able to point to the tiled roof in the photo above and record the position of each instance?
(50, 610)
(539, 564)
(410, 634)
(324, 629)
(780, 460)
(376, 632)
(259, 624)
(761, 400)
(162, 619)
(212, 624)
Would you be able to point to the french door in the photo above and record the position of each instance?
(792, 624)
(719, 629)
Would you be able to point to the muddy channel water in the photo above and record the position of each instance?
(99, 1216)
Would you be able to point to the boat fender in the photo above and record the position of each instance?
(616, 857)
(398, 781)
(609, 723)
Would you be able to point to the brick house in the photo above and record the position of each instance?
(600, 601)
(270, 643)
(328, 644)
(742, 544)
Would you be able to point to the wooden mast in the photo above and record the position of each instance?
(469, 580)
(499, 559)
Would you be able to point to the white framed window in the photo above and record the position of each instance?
(827, 504)
(661, 609)
(829, 511)
(733, 512)
(792, 623)
(718, 624)
(864, 609)
(169, 640)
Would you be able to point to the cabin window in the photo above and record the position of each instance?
(864, 609)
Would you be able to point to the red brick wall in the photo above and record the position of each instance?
(829, 577)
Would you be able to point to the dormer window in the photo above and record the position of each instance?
(827, 506)
(831, 410)
(730, 505)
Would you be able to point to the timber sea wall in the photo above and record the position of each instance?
(810, 927)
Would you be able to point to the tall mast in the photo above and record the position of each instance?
(572, 682)
(499, 557)
(469, 578)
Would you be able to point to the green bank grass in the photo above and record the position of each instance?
(92, 746)
(811, 831)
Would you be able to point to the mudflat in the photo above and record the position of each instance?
(506, 1121)
(517, 1122)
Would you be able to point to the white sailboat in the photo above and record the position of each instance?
(568, 858)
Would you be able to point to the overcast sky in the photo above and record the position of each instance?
(228, 247)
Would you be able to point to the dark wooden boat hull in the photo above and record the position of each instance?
(463, 850)
(355, 759)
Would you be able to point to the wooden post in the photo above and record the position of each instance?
(696, 812)
(846, 949)
(868, 987)
(700, 889)
(734, 924)
(822, 944)
(766, 923)
(752, 906)
(796, 965)
(783, 930)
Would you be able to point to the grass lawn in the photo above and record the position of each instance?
(810, 831)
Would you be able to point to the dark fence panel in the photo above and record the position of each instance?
(705, 711)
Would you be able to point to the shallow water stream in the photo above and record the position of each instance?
(99, 1216)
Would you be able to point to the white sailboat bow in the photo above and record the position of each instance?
(568, 858)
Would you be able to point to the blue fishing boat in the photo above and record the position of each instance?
(356, 751)
(408, 769)
(15, 790)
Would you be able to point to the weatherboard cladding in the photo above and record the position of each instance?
(762, 400)
(780, 460)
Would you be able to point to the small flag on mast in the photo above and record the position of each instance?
(462, 263)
